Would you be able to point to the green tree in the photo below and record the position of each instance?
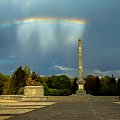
(108, 86)
(74, 85)
(118, 87)
(46, 89)
(112, 80)
(97, 86)
(18, 80)
(61, 83)
(3, 79)
(92, 85)
(7, 86)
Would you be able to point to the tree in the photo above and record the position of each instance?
(118, 86)
(74, 85)
(92, 85)
(89, 84)
(108, 86)
(61, 82)
(7, 86)
(65, 82)
(3, 79)
(112, 80)
(18, 80)
(97, 86)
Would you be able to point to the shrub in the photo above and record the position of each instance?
(53, 92)
(45, 88)
(21, 91)
(65, 92)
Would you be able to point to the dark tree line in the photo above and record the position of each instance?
(106, 86)
(53, 85)
(57, 85)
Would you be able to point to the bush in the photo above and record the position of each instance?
(45, 88)
(53, 92)
(65, 92)
(21, 91)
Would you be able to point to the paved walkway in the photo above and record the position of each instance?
(10, 109)
(66, 110)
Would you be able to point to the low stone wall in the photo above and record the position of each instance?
(11, 97)
(22, 98)
(31, 93)
(59, 98)
(82, 98)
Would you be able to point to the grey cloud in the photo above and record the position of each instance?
(65, 68)
(116, 73)
(71, 72)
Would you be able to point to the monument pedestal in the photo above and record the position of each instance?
(80, 92)
(34, 93)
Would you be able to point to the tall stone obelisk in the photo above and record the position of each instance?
(80, 80)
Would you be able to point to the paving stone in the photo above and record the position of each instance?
(70, 110)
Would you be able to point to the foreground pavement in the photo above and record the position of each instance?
(11, 109)
(85, 109)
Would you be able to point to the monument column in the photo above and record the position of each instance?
(80, 80)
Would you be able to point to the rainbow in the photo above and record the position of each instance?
(48, 20)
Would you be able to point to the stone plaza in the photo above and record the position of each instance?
(63, 108)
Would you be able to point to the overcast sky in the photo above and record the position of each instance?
(51, 48)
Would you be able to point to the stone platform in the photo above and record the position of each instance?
(33, 93)
(70, 108)
(81, 92)
(25, 98)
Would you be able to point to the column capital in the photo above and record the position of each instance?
(79, 40)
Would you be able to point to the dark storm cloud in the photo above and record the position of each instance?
(102, 35)
(8, 43)
(100, 40)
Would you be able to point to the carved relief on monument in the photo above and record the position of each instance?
(81, 87)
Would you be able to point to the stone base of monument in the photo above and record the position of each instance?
(31, 99)
(80, 92)
(33, 93)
